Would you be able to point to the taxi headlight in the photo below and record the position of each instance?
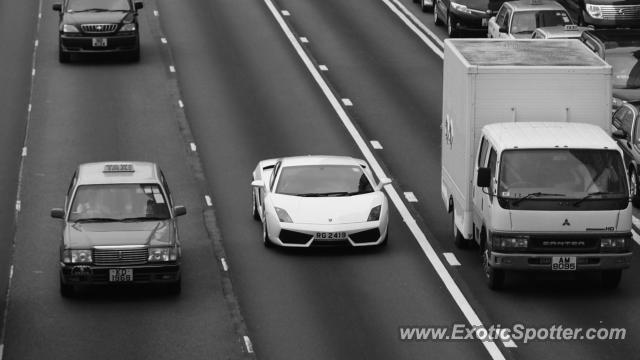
(283, 216)
(163, 254)
(502, 242)
(374, 214)
(68, 28)
(128, 27)
(613, 244)
(594, 11)
(77, 257)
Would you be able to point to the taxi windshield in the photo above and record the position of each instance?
(526, 22)
(95, 5)
(563, 173)
(119, 202)
(323, 180)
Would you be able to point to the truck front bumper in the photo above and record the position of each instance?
(542, 262)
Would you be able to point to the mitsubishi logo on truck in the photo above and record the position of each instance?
(566, 222)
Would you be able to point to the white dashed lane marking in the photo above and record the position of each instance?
(451, 259)
(410, 197)
(376, 144)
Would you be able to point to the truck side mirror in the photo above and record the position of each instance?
(619, 134)
(484, 177)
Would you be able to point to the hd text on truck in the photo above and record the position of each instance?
(529, 168)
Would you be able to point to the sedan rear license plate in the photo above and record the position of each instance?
(120, 275)
(99, 42)
(341, 235)
(563, 263)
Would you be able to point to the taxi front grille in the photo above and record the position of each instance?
(120, 256)
(98, 28)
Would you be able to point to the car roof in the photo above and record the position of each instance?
(561, 32)
(118, 172)
(548, 135)
(613, 38)
(319, 160)
(534, 5)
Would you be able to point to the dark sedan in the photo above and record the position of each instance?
(627, 133)
(98, 26)
(470, 16)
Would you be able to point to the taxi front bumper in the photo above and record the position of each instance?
(542, 262)
(142, 274)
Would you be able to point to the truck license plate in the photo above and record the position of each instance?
(563, 263)
(120, 275)
(99, 42)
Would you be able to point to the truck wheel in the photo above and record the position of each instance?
(494, 277)
(436, 19)
(458, 240)
(611, 278)
(633, 184)
(66, 290)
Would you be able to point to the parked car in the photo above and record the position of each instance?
(621, 49)
(604, 13)
(559, 32)
(464, 15)
(627, 134)
(519, 19)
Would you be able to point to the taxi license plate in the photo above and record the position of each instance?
(99, 42)
(120, 275)
(485, 21)
(563, 263)
(329, 236)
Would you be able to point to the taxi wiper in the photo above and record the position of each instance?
(535, 194)
(143, 218)
(335, 193)
(593, 194)
(97, 219)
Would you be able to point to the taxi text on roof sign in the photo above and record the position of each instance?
(118, 168)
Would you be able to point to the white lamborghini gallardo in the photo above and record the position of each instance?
(307, 201)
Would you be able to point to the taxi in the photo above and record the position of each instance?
(119, 227)
(519, 19)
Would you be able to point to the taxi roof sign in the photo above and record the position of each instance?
(110, 168)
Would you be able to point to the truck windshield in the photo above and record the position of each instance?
(562, 173)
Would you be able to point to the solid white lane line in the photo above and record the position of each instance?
(376, 144)
(347, 102)
(207, 198)
(418, 23)
(462, 302)
(415, 29)
(411, 197)
(323, 67)
(509, 344)
(247, 343)
(636, 221)
(193, 146)
(451, 259)
(224, 264)
(636, 237)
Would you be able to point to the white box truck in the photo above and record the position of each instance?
(529, 170)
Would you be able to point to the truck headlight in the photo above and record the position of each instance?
(128, 27)
(163, 254)
(594, 11)
(68, 28)
(503, 242)
(77, 257)
(613, 244)
(283, 216)
(374, 214)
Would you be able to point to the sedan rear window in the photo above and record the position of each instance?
(323, 180)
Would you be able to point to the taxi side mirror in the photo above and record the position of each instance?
(57, 7)
(57, 213)
(179, 210)
(382, 183)
(138, 5)
(484, 177)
